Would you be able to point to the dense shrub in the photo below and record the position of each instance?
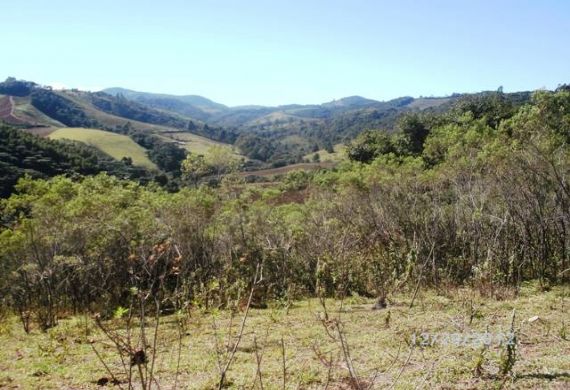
(481, 203)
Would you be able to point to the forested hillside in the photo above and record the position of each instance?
(191, 105)
(24, 154)
(285, 134)
(43, 111)
(267, 136)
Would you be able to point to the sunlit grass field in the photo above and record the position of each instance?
(381, 345)
(198, 144)
(115, 145)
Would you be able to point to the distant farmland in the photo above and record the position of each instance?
(115, 145)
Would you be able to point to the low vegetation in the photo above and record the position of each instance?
(458, 222)
(294, 349)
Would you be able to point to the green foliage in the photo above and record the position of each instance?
(14, 87)
(166, 155)
(120, 312)
(491, 107)
(370, 145)
(296, 180)
(414, 131)
(435, 135)
(255, 147)
(135, 111)
(195, 167)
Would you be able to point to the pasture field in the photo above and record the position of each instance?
(5, 107)
(197, 144)
(291, 345)
(115, 145)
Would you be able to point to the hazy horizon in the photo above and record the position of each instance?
(278, 53)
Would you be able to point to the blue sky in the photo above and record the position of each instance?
(277, 52)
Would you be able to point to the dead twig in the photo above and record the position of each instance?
(240, 334)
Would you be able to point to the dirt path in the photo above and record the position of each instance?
(12, 104)
(7, 111)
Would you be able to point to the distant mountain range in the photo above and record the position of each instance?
(269, 135)
(251, 116)
(288, 132)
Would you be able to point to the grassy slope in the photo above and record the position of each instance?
(192, 142)
(115, 145)
(378, 340)
(108, 119)
(198, 144)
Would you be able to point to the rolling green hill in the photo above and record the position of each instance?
(268, 136)
(115, 145)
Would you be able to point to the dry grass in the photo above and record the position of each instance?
(380, 346)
